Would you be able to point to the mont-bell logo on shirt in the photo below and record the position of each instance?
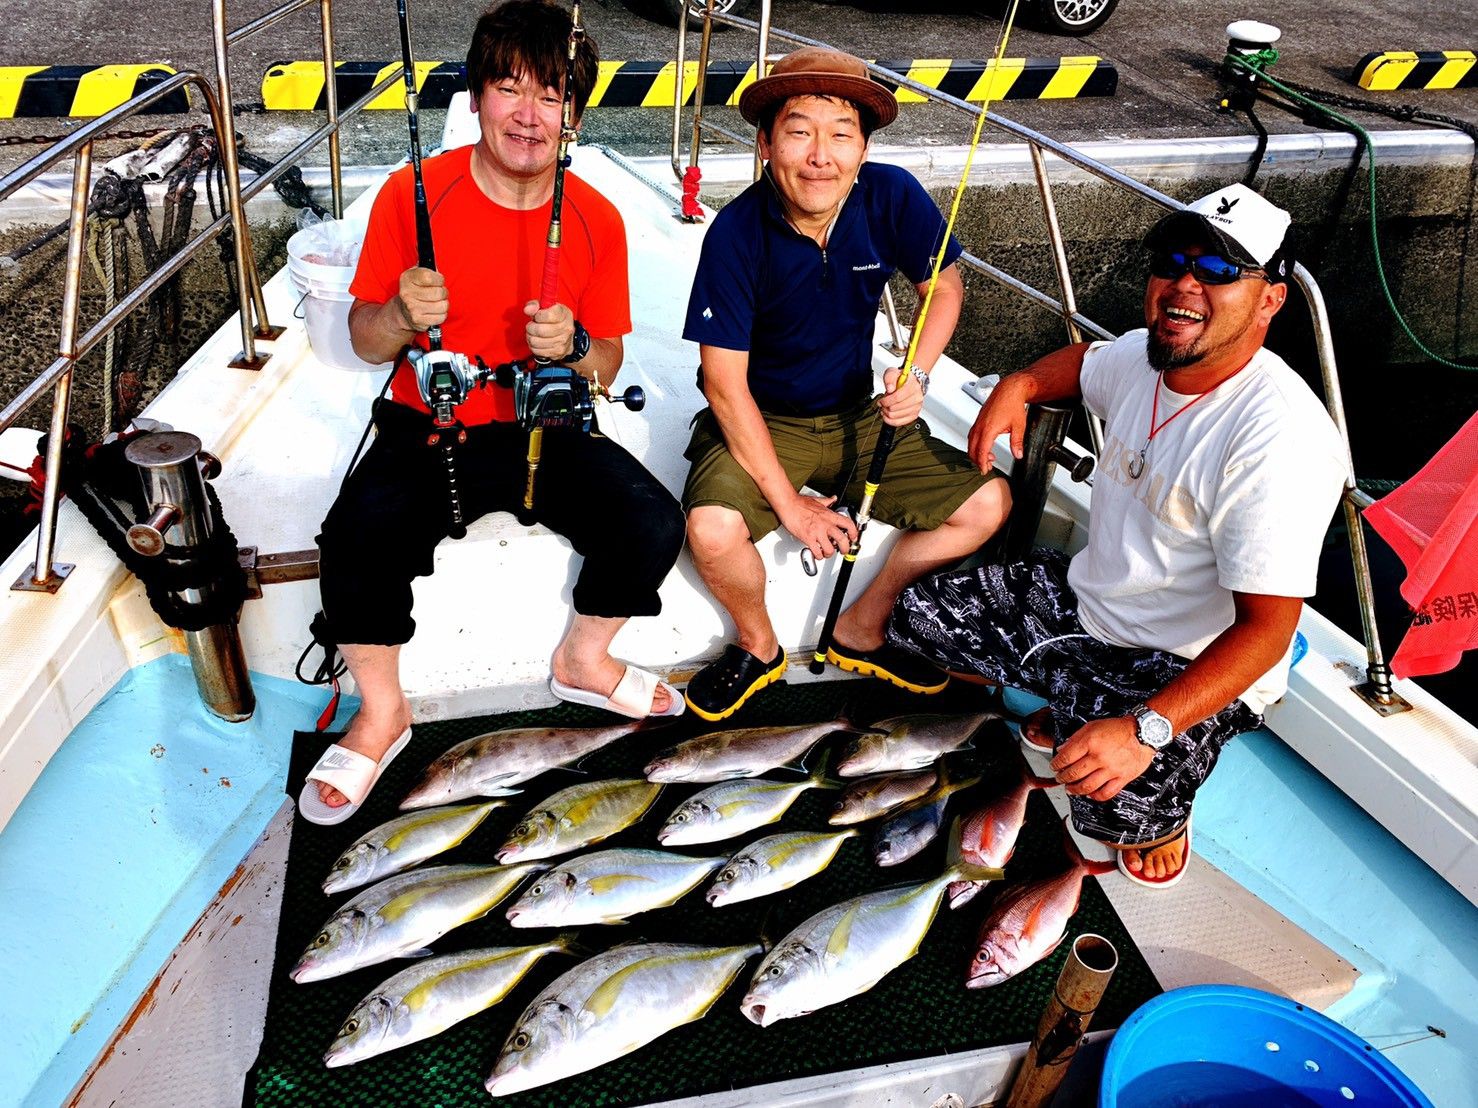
(707, 313)
(865, 268)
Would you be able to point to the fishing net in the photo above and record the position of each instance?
(921, 1009)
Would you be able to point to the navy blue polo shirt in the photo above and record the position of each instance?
(804, 315)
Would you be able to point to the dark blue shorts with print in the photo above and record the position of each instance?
(1017, 625)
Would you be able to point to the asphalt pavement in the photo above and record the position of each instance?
(1166, 54)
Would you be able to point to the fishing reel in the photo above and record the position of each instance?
(558, 396)
(445, 378)
(808, 560)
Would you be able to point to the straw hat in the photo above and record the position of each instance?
(816, 71)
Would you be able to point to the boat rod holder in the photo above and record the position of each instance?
(1031, 477)
(174, 470)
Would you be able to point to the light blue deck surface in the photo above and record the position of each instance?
(129, 833)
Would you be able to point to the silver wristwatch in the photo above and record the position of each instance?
(922, 378)
(1152, 729)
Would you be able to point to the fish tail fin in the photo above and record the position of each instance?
(821, 778)
(1075, 854)
(568, 942)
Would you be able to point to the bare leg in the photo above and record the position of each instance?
(732, 569)
(384, 713)
(918, 553)
(583, 659)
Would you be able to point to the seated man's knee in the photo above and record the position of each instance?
(715, 530)
(985, 510)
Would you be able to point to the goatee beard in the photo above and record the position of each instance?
(1164, 357)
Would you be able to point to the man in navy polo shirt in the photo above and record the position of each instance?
(784, 307)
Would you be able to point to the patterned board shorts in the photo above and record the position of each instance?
(1017, 625)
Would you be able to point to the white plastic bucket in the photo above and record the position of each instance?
(327, 297)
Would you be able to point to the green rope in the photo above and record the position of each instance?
(1254, 63)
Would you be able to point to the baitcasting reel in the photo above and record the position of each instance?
(445, 379)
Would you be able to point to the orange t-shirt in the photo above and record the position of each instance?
(493, 261)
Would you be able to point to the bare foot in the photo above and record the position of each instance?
(1033, 728)
(1158, 862)
(857, 637)
(602, 677)
(370, 736)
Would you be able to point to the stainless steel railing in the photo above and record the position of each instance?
(45, 575)
(1378, 690)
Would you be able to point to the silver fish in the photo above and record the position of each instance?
(403, 842)
(988, 835)
(731, 808)
(775, 863)
(607, 886)
(426, 999)
(745, 752)
(610, 1005)
(491, 764)
(578, 816)
(403, 914)
(871, 797)
(909, 742)
(906, 833)
(848, 948)
(1027, 922)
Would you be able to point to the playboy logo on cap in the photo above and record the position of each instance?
(1250, 222)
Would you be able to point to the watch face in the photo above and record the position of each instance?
(1154, 729)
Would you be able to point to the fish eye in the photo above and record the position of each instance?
(776, 971)
(522, 828)
(342, 863)
(682, 817)
(520, 1041)
(537, 890)
(322, 939)
(728, 874)
(350, 1027)
(885, 847)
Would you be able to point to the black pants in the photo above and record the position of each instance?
(383, 529)
(1017, 624)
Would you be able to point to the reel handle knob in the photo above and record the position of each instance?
(635, 398)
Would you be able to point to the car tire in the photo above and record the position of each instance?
(667, 11)
(1064, 17)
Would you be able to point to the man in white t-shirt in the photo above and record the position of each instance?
(1172, 630)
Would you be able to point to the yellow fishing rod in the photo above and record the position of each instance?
(884, 446)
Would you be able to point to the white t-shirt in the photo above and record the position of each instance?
(1235, 496)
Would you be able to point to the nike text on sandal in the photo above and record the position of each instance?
(352, 773)
(719, 689)
(891, 663)
(1160, 882)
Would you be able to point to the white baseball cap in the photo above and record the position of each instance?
(1238, 222)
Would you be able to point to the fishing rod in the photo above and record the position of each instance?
(548, 394)
(888, 433)
(441, 375)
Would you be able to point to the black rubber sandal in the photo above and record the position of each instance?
(892, 664)
(719, 689)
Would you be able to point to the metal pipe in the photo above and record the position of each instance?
(679, 79)
(733, 136)
(1021, 288)
(1080, 987)
(890, 311)
(41, 576)
(1381, 692)
(700, 86)
(762, 51)
(1031, 476)
(331, 102)
(246, 286)
(170, 469)
(263, 22)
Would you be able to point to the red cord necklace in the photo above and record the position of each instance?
(1136, 464)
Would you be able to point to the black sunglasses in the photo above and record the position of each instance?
(1209, 269)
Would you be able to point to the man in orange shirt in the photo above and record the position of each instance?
(490, 206)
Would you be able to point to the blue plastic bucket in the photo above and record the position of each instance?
(1225, 1045)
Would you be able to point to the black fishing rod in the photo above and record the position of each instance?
(441, 380)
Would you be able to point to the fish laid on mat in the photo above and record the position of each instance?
(607, 886)
(988, 835)
(909, 742)
(905, 833)
(610, 1005)
(491, 764)
(871, 797)
(404, 842)
(431, 996)
(403, 914)
(775, 863)
(848, 948)
(731, 808)
(578, 816)
(1027, 921)
(746, 752)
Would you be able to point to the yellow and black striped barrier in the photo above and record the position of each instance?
(82, 91)
(1388, 70)
(299, 86)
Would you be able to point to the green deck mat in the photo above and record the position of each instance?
(921, 1009)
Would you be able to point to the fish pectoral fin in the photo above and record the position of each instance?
(419, 952)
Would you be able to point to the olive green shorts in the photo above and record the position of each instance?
(924, 482)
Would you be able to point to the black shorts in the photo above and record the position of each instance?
(1017, 625)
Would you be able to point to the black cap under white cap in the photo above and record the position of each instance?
(1240, 224)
